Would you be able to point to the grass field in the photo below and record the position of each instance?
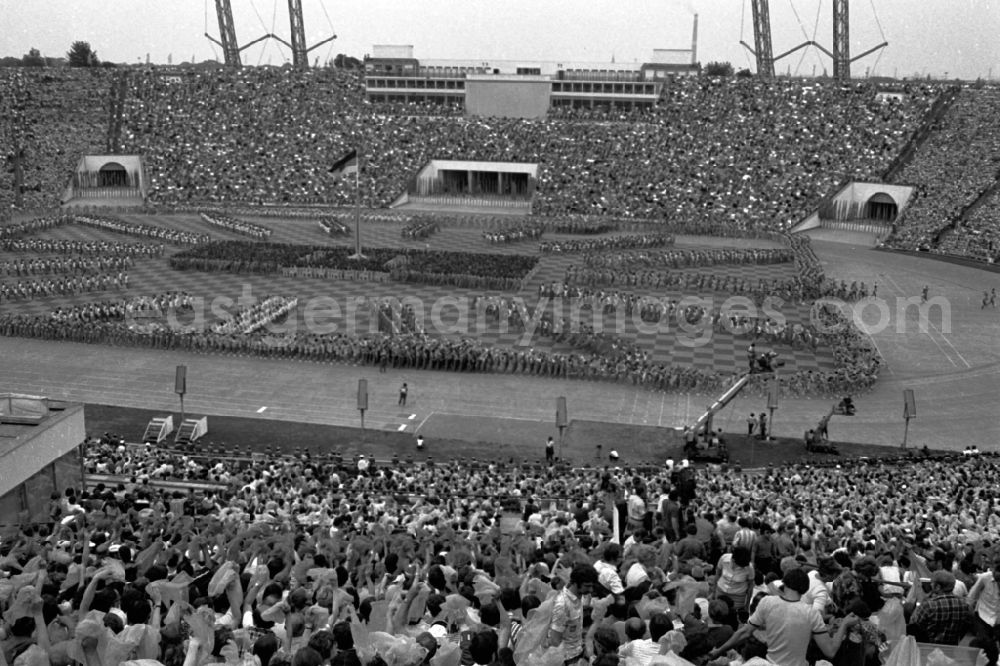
(439, 309)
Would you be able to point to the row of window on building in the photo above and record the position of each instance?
(556, 102)
(604, 88)
(416, 84)
(557, 86)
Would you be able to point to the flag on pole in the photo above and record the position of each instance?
(346, 165)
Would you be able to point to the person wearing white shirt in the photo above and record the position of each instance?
(607, 571)
(984, 600)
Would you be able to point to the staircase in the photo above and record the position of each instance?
(158, 429)
(191, 430)
(119, 89)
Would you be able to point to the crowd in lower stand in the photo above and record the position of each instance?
(308, 561)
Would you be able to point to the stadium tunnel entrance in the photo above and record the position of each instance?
(507, 187)
(454, 181)
(881, 207)
(112, 174)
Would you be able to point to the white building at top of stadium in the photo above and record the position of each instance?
(393, 74)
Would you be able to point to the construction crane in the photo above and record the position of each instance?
(841, 54)
(300, 52)
(227, 33)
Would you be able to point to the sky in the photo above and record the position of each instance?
(954, 38)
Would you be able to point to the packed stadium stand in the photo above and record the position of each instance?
(56, 116)
(958, 162)
(699, 155)
(205, 558)
(171, 557)
(694, 157)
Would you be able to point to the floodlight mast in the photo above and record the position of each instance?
(841, 54)
(227, 33)
(841, 39)
(300, 52)
(762, 38)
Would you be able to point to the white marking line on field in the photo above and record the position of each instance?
(422, 422)
(932, 338)
(401, 428)
(948, 342)
(411, 417)
(261, 410)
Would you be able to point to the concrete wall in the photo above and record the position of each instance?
(34, 447)
(29, 500)
(503, 97)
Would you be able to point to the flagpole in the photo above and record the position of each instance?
(357, 210)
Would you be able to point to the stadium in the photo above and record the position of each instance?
(497, 361)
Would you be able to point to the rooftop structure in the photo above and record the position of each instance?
(393, 75)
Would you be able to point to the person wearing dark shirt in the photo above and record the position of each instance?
(690, 547)
(941, 618)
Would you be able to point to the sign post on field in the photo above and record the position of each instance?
(772, 404)
(362, 399)
(180, 385)
(909, 412)
(561, 421)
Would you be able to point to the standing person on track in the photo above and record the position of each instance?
(403, 390)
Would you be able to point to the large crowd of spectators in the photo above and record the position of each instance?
(978, 234)
(741, 152)
(308, 561)
(951, 168)
(56, 116)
